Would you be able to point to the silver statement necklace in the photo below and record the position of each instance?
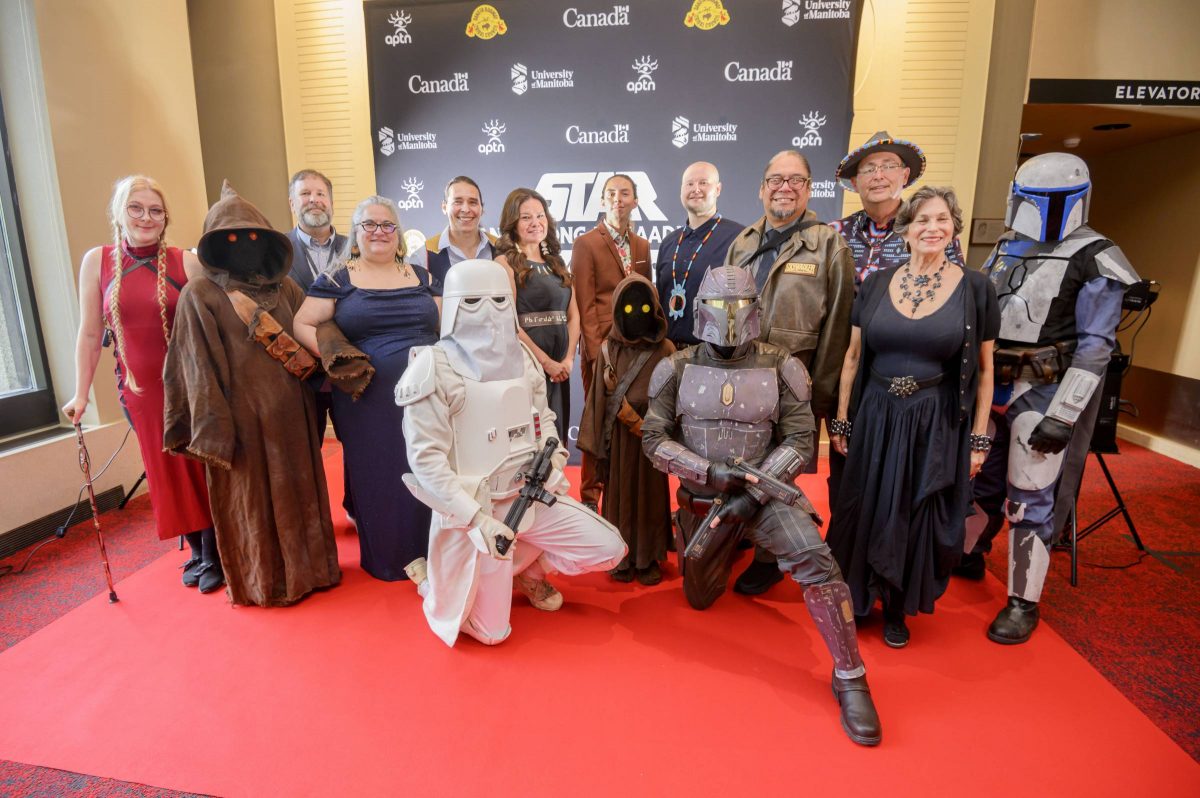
(916, 288)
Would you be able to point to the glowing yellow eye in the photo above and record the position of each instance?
(629, 309)
(645, 308)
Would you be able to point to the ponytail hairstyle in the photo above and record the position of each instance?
(117, 217)
(508, 244)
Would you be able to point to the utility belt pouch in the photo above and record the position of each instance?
(1045, 364)
(271, 335)
(1007, 364)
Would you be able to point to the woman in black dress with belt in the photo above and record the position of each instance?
(549, 319)
(912, 416)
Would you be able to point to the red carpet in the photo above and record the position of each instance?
(625, 691)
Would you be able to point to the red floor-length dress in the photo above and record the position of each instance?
(178, 490)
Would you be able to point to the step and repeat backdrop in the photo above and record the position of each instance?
(560, 94)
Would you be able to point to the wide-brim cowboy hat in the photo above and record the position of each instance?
(910, 154)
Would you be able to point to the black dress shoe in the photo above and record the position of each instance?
(1015, 623)
(895, 632)
(211, 577)
(191, 572)
(971, 566)
(757, 579)
(859, 718)
(650, 575)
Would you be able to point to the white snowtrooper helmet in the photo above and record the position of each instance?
(477, 288)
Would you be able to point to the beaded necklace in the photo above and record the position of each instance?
(924, 286)
(678, 299)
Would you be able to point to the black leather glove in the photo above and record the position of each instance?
(1050, 436)
(724, 479)
(740, 508)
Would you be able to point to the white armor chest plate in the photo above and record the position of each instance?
(494, 433)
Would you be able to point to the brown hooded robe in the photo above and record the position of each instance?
(637, 498)
(234, 407)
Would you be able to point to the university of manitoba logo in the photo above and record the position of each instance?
(387, 141)
(413, 187)
(791, 12)
(681, 130)
(811, 122)
(706, 15)
(494, 129)
(520, 79)
(486, 23)
(644, 67)
(400, 20)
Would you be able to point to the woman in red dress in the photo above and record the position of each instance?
(130, 288)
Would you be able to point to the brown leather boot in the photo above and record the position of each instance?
(859, 718)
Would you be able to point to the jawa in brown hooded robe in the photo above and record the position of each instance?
(637, 498)
(233, 405)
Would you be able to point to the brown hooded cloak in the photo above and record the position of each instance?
(637, 497)
(234, 407)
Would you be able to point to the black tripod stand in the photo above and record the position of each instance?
(1077, 534)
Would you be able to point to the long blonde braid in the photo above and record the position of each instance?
(161, 289)
(115, 307)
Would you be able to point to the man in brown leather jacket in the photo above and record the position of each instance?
(805, 273)
(600, 259)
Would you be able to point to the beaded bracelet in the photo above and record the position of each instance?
(981, 443)
(840, 426)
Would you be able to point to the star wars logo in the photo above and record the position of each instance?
(811, 122)
(644, 67)
(494, 129)
(618, 17)
(576, 201)
(399, 20)
(412, 187)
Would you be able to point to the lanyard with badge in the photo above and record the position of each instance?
(678, 299)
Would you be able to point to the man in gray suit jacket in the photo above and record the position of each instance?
(316, 247)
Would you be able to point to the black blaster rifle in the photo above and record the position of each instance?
(534, 490)
(780, 491)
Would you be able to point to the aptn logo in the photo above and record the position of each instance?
(681, 130)
(494, 130)
(486, 23)
(413, 187)
(706, 15)
(520, 78)
(458, 83)
(399, 20)
(617, 134)
(644, 67)
(811, 122)
(387, 141)
(736, 73)
(618, 17)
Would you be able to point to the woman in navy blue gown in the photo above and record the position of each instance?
(385, 307)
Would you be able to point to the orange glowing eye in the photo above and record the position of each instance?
(232, 237)
(254, 236)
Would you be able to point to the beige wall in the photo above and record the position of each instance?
(237, 96)
(1139, 193)
(1113, 39)
(921, 70)
(120, 99)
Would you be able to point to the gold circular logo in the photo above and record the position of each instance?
(486, 23)
(706, 15)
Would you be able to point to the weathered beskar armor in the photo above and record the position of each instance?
(475, 416)
(734, 396)
(1060, 286)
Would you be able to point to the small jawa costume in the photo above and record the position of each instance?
(239, 409)
(637, 497)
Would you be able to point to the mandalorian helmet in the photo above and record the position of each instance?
(727, 312)
(1050, 197)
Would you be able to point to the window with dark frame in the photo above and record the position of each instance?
(26, 395)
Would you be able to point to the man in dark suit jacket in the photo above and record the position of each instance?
(600, 259)
(315, 247)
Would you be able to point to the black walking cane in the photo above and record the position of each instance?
(85, 465)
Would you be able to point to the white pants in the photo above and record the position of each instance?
(567, 537)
